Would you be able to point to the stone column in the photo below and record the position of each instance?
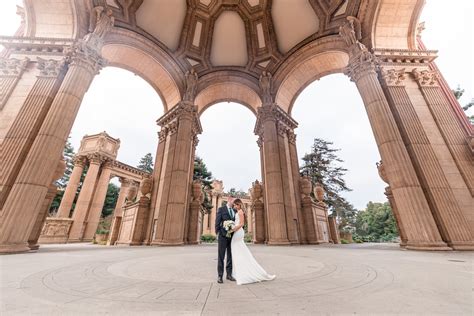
(31, 185)
(71, 189)
(84, 200)
(333, 231)
(181, 124)
(95, 210)
(20, 135)
(40, 220)
(422, 232)
(117, 220)
(444, 206)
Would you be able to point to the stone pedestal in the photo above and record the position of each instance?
(310, 221)
(333, 231)
(118, 212)
(36, 231)
(55, 231)
(133, 226)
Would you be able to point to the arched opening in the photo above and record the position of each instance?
(228, 148)
(341, 118)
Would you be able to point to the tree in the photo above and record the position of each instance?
(110, 200)
(68, 154)
(376, 223)
(322, 165)
(201, 173)
(458, 93)
(236, 193)
(146, 163)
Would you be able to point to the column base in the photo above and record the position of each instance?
(166, 243)
(278, 243)
(34, 247)
(427, 246)
(462, 245)
(14, 248)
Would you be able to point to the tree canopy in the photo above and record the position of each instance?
(146, 163)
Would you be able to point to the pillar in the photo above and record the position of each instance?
(422, 232)
(181, 124)
(84, 200)
(333, 231)
(71, 189)
(31, 185)
(282, 202)
(445, 207)
(40, 93)
(117, 220)
(93, 216)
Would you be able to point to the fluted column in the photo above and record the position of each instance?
(278, 222)
(415, 213)
(182, 124)
(24, 128)
(43, 214)
(95, 210)
(31, 185)
(444, 206)
(81, 210)
(71, 189)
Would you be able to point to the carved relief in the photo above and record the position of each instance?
(393, 77)
(12, 66)
(426, 78)
(191, 79)
(265, 83)
(381, 170)
(49, 68)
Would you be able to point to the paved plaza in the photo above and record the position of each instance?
(332, 279)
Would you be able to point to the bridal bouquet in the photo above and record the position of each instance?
(228, 225)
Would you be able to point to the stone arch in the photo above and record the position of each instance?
(398, 30)
(232, 88)
(312, 62)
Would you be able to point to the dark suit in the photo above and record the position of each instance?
(222, 241)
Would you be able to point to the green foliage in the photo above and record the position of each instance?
(68, 154)
(458, 93)
(236, 193)
(376, 223)
(208, 238)
(146, 163)
(357, 239)
(110, 200)
(248, 237)
(205, 176)
(343, 241)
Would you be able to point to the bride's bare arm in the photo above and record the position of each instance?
(241, 220)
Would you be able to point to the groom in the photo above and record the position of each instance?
(224, 213)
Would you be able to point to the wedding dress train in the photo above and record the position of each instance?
(245, 269)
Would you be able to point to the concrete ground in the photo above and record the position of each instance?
(325, 279)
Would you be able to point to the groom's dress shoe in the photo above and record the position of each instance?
(230, 278)
(219, 280)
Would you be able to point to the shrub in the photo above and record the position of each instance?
(344, 241)
(102, 231)
(208, 238)
(357, 239)
(248, 237)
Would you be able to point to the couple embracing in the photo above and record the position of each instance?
(241, 266)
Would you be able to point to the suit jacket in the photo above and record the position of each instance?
(222, 216)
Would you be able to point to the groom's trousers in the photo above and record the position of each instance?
(223, 245)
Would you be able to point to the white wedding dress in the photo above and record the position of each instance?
(245, 269)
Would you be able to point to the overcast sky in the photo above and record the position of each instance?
(126, 107)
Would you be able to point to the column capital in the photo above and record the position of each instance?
(124, 183)
(426, 78)
(50, 68)
(393, 77)
(361, 61)
(83, 55)
(79, 161)
(12, 67)
(272, 112)
(260, 141)
(182, 110)
(162, 134)
(96, 158)
(292, 137)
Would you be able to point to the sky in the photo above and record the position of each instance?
(331, 108)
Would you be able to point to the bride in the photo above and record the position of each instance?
(245, 269)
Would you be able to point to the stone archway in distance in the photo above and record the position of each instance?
(424, 141)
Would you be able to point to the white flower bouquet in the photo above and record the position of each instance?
(228, 225)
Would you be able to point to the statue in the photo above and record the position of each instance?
(101, 21)
(191, 79)
(351, 31)
(266, 87)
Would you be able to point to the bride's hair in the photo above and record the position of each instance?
(239, 201)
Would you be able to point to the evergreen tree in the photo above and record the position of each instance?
(458, 93)
(146, 163)
(236, 193)
(322, 165)
(68, 154)
(201, 173)
(110, 200)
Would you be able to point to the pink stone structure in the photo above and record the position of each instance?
(424, 140)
